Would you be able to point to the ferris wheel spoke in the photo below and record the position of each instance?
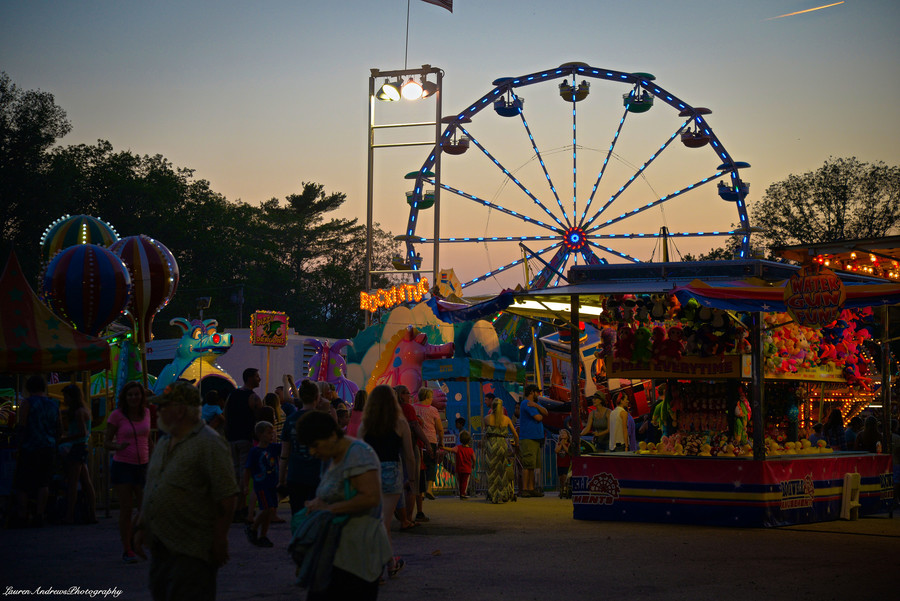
(550, 269)
(486, 239)
(507, 266)
(497, 207)
(589, 257)
(613, 251)
(574, 165)
(612, 146)
(512, 177)
(657, 202)
(639, 235)
(540, 159)
(638, 173)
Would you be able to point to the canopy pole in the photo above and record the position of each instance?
(575, 360)
(886, 443)
(757, 384)
(538, 377)
(469, 409)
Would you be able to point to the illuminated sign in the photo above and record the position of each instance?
(268, 328)
(393, 297)
(814, 296)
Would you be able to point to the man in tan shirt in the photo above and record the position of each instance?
(188, 501)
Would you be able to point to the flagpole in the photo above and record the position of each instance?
(406, 50)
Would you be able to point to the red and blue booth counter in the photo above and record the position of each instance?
(778, 491)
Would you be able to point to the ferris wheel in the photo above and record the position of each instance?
(582, 176)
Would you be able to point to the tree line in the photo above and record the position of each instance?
(286, 255)
(845, 199)
(290, 255)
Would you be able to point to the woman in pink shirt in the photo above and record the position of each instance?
(356, 416)
(434, 432)
(128, 434)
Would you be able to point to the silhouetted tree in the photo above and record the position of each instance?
(842, 200)
(290, 257)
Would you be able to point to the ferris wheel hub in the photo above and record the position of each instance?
(575, 238)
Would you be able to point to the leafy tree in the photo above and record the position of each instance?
(842, 200)
(30, 123)
(290, 257)
(715, 254)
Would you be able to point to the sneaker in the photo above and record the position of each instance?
(129, 557)
(250, 531)
(421, 517)
(263, 541)
(429, 496)
(395, 567)
(463, 497)
(537, 493)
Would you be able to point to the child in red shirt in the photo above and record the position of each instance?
(465, 461)
(563, 461)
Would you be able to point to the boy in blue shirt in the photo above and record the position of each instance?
(262, 467)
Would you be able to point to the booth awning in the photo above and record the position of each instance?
(472, 369)
(747, 296)
(33, 339)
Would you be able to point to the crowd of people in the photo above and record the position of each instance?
(347, 471)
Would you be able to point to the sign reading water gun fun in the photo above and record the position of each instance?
(814, 296)
(268, 328)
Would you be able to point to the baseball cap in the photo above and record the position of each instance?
(182, 392)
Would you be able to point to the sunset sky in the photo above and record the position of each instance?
(259, 97)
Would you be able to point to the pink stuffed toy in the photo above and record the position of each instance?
(624, 342)
(658, 335)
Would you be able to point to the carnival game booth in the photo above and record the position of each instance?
(723, 459)
(466, 381)
(35, 341)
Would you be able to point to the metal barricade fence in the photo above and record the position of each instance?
(446, 478)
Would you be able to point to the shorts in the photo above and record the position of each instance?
(430, 462)
(531, 453)
(267, 498)
(391, 478)
(239, 451)
(562, 470)
(34, 469)
(128, 473)
(77, 454)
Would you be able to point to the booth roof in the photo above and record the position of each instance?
(591, 282)
(33, 339)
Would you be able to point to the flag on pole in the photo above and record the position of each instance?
(448, 4)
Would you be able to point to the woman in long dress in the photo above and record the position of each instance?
(500, 484)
